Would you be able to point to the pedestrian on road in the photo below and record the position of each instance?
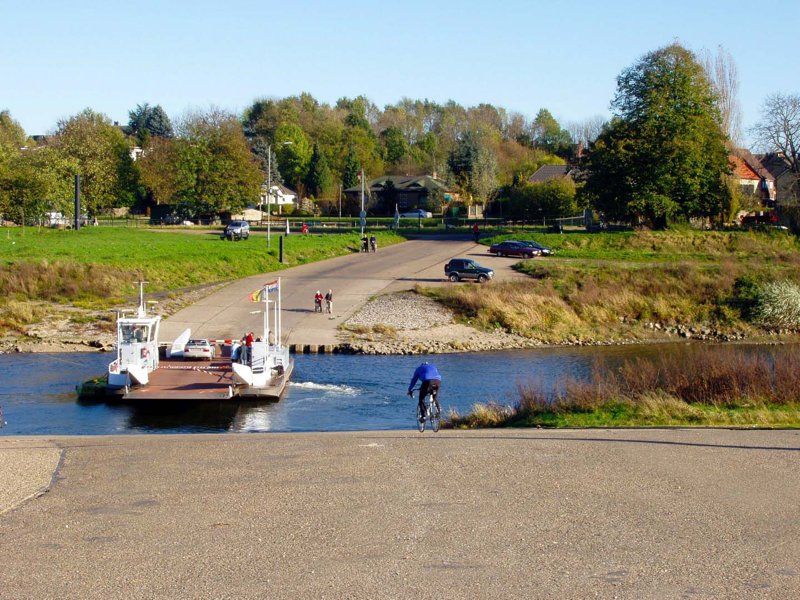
(476, 232)
(329, 302)
(364, 243)
(318, 302)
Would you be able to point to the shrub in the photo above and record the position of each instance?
(778, 305)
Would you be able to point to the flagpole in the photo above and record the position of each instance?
(266, 314)
(280, 320)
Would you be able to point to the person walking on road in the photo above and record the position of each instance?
(329, 302)
(318, 302)
(476, 231)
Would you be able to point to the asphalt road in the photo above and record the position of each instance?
(354, 278)
(491, 514)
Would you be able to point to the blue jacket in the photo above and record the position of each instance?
(424, 372)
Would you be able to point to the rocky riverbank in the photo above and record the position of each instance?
(72, 329)
(410, 323)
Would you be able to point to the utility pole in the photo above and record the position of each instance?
(363, 214)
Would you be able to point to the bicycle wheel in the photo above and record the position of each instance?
(420, 420)
(435, 415)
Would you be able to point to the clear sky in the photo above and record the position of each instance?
(57, 58)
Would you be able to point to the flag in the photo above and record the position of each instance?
(272, 286)
(257, 296)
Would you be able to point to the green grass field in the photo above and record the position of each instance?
(97, 267)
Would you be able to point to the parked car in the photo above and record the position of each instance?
(543, 250)
(512, 248)
(466, 268)
(198, 349)
(417, 213)
(236, 230)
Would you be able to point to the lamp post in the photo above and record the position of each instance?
(269, 191)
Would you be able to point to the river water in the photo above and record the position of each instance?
(327, 392)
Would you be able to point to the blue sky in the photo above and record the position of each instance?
(57, 58)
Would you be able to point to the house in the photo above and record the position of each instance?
(753, 178)
(402, 190)
(280, 196)
(786, 183)
(547, 173)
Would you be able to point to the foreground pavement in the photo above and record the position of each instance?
(487, 514)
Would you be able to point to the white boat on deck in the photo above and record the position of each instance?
(264, 371)
(136, 349)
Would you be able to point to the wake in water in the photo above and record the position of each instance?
(331, 388)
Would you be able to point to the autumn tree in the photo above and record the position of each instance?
(103, 157)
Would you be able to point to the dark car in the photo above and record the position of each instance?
(512, 248)
(466, 268)
(543, 250)
(236, 230)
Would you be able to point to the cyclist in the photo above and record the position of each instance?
(428, 374)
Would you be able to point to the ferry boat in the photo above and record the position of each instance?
(136, 349)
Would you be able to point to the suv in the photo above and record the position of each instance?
(466, 268)
(236, 230)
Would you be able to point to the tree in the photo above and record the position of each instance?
(779, 131)
(294, 153)
(103, 158)
(547, 134)
(721, 71)
(663, 155)
(395, 145)
(206, 170)
(351, 168)
(474, 166)
(319, 175)
(146, 120)
(262, 150)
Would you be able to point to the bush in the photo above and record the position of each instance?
(778, 305)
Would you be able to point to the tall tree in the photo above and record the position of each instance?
(395, 145)
(318, 179)
(664, 154)
(351, 168)
(779, 131)
(146, 121)
(721, 71)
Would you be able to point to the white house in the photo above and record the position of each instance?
(280, 196)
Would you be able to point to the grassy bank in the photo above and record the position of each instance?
(722, 386)
(97, 267)
(616, 286)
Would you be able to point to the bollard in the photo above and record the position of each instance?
(280, 256)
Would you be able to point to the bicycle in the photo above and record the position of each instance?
(433, 412)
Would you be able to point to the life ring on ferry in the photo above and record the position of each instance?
(145, 353)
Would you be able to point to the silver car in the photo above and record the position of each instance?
(201, 349)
